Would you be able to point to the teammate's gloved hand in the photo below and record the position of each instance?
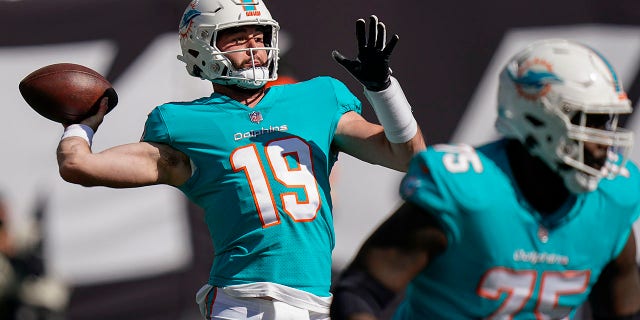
(371, 67)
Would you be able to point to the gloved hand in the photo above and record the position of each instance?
(371, 67)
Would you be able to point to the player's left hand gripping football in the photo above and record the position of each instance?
(371, 67)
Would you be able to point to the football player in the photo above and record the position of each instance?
(526, 227)
(257, 160)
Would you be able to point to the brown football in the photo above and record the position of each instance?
(66, 92)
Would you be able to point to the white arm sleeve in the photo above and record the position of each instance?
(394, 112)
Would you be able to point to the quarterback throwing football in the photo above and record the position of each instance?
(257, 159)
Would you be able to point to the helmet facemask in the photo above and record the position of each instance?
(568, 122)
(593, 148)
(254, 76)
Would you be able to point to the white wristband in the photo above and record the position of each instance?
(79, 130)
(394, 112)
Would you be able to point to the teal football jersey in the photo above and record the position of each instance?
(505, 260)
(261, 175)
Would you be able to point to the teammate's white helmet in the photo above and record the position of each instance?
(199, 27)
(547, 93)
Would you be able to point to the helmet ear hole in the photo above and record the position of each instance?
(530, 142)
(534, 121)
(197, 71)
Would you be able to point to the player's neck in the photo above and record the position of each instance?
(543, 189)
(248, 97)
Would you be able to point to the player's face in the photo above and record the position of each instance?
(240, 38)
(595, 155)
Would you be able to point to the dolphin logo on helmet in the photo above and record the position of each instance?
(534, 78)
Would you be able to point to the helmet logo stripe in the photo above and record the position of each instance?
(249, 7)
(616, 82)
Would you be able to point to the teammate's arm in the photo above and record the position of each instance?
(390, 258)
(129, 165)
(616, 295)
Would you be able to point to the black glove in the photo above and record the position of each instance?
(371, 67)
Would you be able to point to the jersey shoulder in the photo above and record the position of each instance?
(322, 81)
(624, 189)
(451, 182)
(322, 91)
(456, 177)
(164, 117)
(318, 84)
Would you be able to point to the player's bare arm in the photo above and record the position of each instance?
(402, 246)
(392, 256)
(367, 141)
(124, 166)
(617, 293)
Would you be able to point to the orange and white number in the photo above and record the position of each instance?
(301, 176)
(519, 287)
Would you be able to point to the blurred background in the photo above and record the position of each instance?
(69, 252)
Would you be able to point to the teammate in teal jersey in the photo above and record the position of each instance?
(527, 227)
(257, 159)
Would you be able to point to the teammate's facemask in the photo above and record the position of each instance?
(199, 28)
(555, 96)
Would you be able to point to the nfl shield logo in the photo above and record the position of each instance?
(255, 117)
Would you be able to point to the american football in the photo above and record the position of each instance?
(66, 92)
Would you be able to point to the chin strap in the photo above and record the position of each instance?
(251, 78)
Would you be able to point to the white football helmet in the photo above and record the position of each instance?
(548, 95)
(199, 27)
